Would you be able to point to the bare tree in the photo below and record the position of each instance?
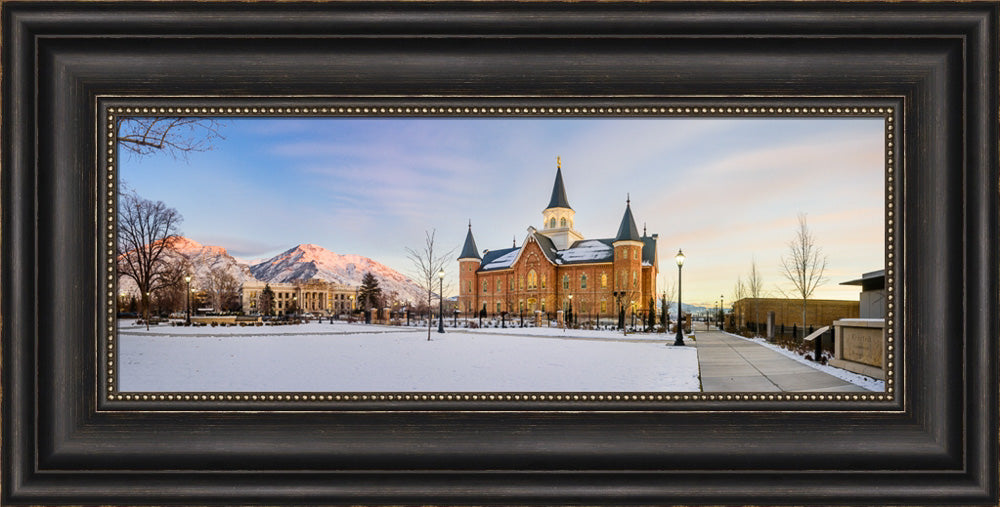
(223, 289)
(739, 293)
(755, 289)
(427, 262)
(669, 291)
(173, 294)
(804, 265)
(146, 230)
(177, 135)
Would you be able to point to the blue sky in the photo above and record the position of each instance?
(724, 190)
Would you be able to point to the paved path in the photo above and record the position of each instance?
(729, 364)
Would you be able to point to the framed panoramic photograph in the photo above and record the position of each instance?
(505, 253)
(552, 311)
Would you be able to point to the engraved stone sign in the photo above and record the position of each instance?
(863, 345)
(860, 346)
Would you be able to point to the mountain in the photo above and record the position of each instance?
(204, 258)
(306, 262)
(201, 258)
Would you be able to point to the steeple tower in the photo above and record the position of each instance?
(628, 257)
(468, 264)
(557, 217)
(558, 199)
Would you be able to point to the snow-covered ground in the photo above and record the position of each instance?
(864, 381)
(356, 357)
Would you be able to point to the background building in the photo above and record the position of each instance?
(872, 294)
(819, 312)
(313, 296)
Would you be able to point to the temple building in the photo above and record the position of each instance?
(557, 266)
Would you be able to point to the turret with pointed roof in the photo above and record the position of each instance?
(557, 218)
(627, 231)
(469, 251)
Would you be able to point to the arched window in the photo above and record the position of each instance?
(532, 280)
(552, 223)
(468, 286)
(543, 281)
(604, 306)
(485, 287)
(562, 222)
(583, 281)
(604, 280)
(565, 281)
(635, 279)
(622, 281)
(499, 285)
(635, 253)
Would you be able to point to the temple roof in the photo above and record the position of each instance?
(469, 251)
(627, 231)
(558, 199)
(580, 252)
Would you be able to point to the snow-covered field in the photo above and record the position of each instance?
(864, 381)
(356, 357)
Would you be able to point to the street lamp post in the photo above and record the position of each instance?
(722, 312)
(570, 316)
(187, 319)
(680, 316)
(441, 300)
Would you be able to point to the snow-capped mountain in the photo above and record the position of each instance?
(305, 262)
(204, 258)
(200, 260)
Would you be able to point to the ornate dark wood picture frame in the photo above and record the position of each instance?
(930, 438)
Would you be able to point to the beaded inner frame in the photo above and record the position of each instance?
(111, 108)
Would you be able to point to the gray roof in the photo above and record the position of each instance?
(627, 231)
(649, 250)
(580, 252)
(869, 280)
(548, 248)
(469, 251)
(558, 199)
(495, 259)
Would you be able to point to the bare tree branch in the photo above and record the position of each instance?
(176, 135)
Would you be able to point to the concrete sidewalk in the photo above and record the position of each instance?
(729, 364)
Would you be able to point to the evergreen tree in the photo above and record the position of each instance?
(370, 294)
(663, 315)
(652, 313)
(265, 302)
